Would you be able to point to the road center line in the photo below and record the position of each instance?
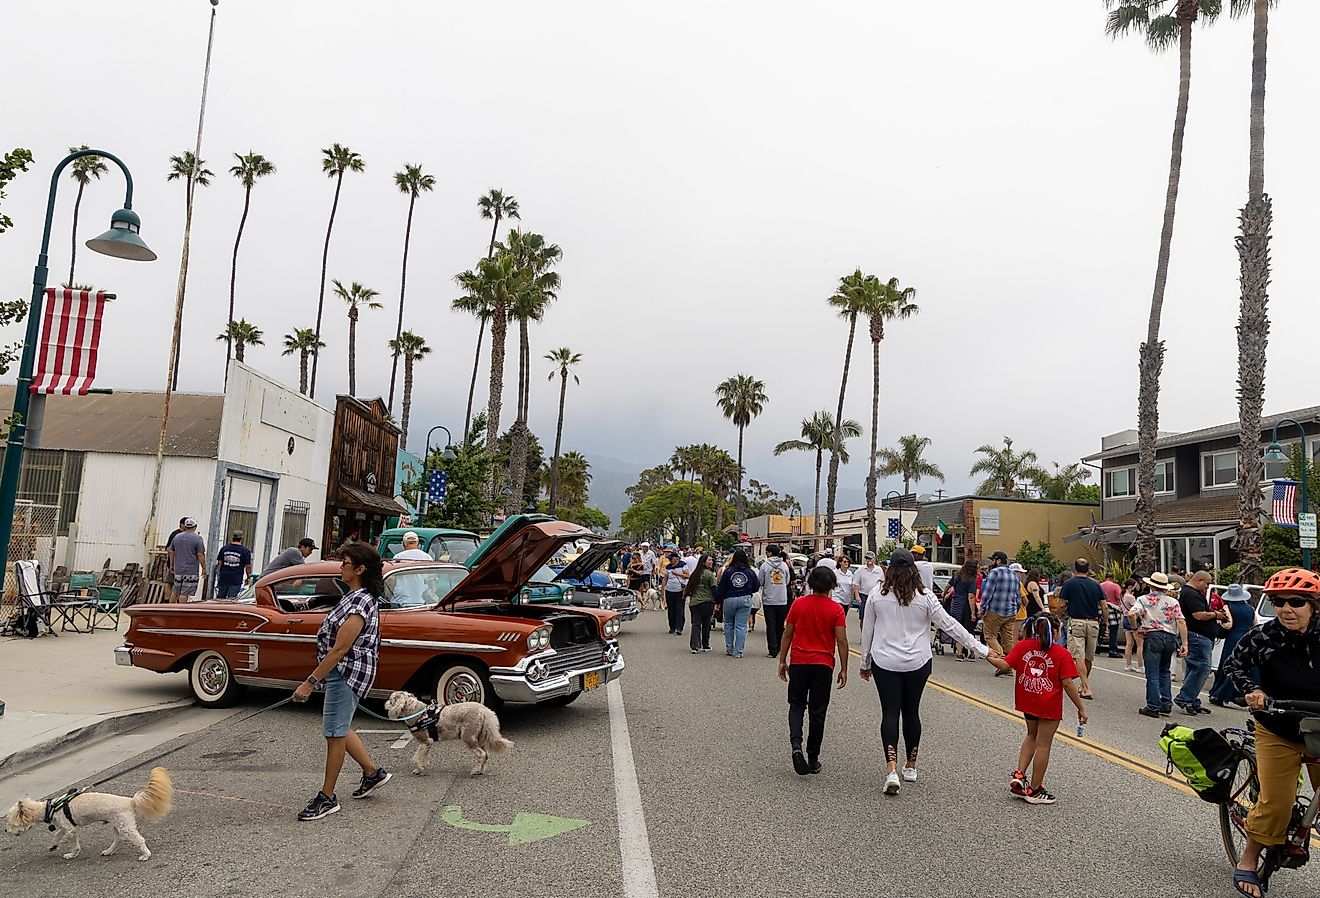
(634, 843)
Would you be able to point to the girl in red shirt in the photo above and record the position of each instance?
(1045, 671)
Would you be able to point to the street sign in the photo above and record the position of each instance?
(1306, 530)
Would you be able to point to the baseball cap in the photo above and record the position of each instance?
(999, 555)
(829, 552)
(411, 534)
(870, 554)
(918, 549)
(189, 523)
(309, 543)
(901, 556)
(1017, 568)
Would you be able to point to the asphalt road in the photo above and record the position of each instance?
(699, 800)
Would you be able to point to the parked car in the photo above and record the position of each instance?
(594, 588)
(480, 635)
(443, 545)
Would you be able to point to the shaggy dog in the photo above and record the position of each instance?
(471, 722)
(152, 803)
(651, 598)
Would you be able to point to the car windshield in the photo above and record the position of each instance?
(416, 588)
(449, 549)
(546, 574)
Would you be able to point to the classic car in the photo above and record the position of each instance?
(446, 631)
(593, 588)
(443, 544)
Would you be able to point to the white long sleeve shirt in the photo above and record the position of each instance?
(897, 637)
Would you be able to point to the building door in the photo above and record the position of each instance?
(247, 508)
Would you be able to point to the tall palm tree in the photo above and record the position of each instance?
(494, 206)
(250, 167)
(1253, 330)
(563, 359)
(335, 160)
(722, 473)
(357, 297)
(1058, 485)
(1005, 469)
(411, 347)
(82, 170)
(488, 290)
(194, 173)
(1164, 24)
(818, 437)
(412, 181)
(741, 398)
(302, 341)
(240, 334)
(908, 461)
(883, 302)
(849, 300)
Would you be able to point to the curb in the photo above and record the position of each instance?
(113, 725)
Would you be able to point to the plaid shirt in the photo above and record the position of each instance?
(358, 667)
(1001, 592)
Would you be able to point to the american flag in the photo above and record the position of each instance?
(435, 487)
(1096, 538)
(895, 528)
(1285, 503)
(70, 339)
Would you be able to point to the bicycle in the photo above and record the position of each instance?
(1295, 851)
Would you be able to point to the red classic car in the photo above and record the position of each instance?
(446, 630)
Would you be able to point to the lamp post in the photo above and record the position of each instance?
(448, 455)
(121, 242)
(1275, 460)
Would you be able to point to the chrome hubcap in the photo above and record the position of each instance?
(213, 676)
(462, 687)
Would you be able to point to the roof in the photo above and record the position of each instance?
(1307, 415)
(128, 422)
(1191, 510)
(932, 512)
(371, 501)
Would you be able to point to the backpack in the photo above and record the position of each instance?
(1205, 759)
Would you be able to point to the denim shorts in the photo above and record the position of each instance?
(340, 705)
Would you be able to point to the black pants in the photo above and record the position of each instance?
(808, 692)
(774, 625)
(674, 602)
(900, 697)
(703, 618)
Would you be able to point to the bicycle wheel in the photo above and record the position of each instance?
(1233, 812)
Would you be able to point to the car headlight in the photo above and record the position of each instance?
(538, 640)
(524, 595)
(567, 597)
(612, 627)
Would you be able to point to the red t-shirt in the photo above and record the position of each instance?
(1113, 592)
(1040, 676)
(814, 618)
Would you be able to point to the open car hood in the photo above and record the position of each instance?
(580, 568)
(511, 555)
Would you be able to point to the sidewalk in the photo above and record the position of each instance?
(66, 690)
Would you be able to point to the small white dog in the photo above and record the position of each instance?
(472, 722)
(651, 598)
(152, 803)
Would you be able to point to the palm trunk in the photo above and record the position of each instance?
(239, 346)
(73, 250)
(472, 387)
(352, 352)
(403, 287)
(832, 483)
(302, 370)
(518, 443)
(1253, 330)
(494, 229)
(719, 514)
(815, 521)
(320, 301)
(740, 503)
(876, 335)
(233, 280)
(499, 328)
(407, 397)
(559, 434)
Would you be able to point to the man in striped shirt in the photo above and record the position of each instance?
(1001, 594)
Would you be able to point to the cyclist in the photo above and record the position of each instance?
(1286, 652)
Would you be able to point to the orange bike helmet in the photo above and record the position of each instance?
(1294, 579)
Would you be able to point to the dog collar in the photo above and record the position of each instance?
(427, 721)
(58, 805)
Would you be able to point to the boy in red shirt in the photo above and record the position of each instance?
(1045, 671)
(816, 628)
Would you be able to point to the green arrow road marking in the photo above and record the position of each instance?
(525, 829)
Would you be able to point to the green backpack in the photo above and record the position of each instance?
(1205, 759)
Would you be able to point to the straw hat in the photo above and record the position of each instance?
(1159, 581)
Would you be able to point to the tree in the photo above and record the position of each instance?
(467, 504)
(491, 287)
(562, 358)
(720, 474)
(1059, 485)
(250, 167)
(12, 164)
(532, 460)
(883, 302)
(82, 170)
(302, 341)
(411, 347)
(1084, 492)
(1005, 469)
(356, 296)
(1164, 24)
(648, 481)
(818, 437)
(335, 160)
(241, 334)
(411, 181)
(494, 206)
(849, 299)
(662, 511)
(194, 173)
(1040, 558)
(907, 460)
(574, 481)
(741, 398)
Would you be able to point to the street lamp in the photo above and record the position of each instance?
(448, 455)
(1275, 464)
(121, 242)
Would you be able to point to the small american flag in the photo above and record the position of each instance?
(895, 528)
(1096, 538)
(1285, 503)
(70, 339)
(435, 487)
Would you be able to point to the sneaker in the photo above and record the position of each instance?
(1236, 706)
(1038, 796)
(321, 806)
(1128, 668)
(1166, 711)
(1149, 712)
(909, 774)
(891, 784)
(800, 763)
(694, 651)
(729, 653)
(1218, 703)
(1018, 785)
(1203, 710)
(1188, 709)
(705, 648)
(371, 781)
(815, 765)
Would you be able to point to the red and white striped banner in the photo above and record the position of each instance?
(70, 337)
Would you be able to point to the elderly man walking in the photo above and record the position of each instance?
(1202, 630)
(1001, 594)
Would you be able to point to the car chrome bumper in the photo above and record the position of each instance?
(517, 688)
(629, 612)
(124, 656)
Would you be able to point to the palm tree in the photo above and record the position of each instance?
(412, 181)
(883, 302)
(240, 334)
(249, 168)
(684, 462)
(574, 479)
(562, 358)
(818, 437)
(850, 299)
(356, 296)
(1253, 330)
(488, 290)
(194, 173)
(82, 170)
(335, 160)
(1058, 485)
(302, 341)
(741, 398)
(494, 206)
(411, 347)
(1164, 24)
(907, 461)
(1005, 469)
(722, 473)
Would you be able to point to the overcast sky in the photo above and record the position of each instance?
(710, 170)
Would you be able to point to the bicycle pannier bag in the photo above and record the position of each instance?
(1205, 759)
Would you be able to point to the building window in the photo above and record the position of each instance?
(53, 477)
(1120, 483)
(1175, 554)
(1218, 469)
(294, 526)
(1164, 476)
(244, 521)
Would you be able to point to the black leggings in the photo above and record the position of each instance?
(900, 694)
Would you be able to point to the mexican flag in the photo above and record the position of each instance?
(941, 529)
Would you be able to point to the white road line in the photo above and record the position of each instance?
(634, 843)
(402, 741)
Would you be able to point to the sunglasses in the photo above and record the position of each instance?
(1290, 601)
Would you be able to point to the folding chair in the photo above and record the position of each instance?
(47, 604)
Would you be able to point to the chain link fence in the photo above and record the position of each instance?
(33, 537)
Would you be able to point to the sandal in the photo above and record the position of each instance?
(1088, 696)
(1247, 878)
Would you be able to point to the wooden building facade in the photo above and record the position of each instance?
(360, 485)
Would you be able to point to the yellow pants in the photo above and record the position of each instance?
(1001, 632)
(1278, 763)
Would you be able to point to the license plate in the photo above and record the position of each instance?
(591, 680)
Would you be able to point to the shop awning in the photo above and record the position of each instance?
(373, 502)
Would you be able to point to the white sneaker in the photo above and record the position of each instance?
(891, 784)
(1128, 668)
(909, 774)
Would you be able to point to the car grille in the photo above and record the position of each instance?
(575, 658)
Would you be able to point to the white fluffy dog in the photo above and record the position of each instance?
(152, 803)
(651, 598)
(472, 722)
